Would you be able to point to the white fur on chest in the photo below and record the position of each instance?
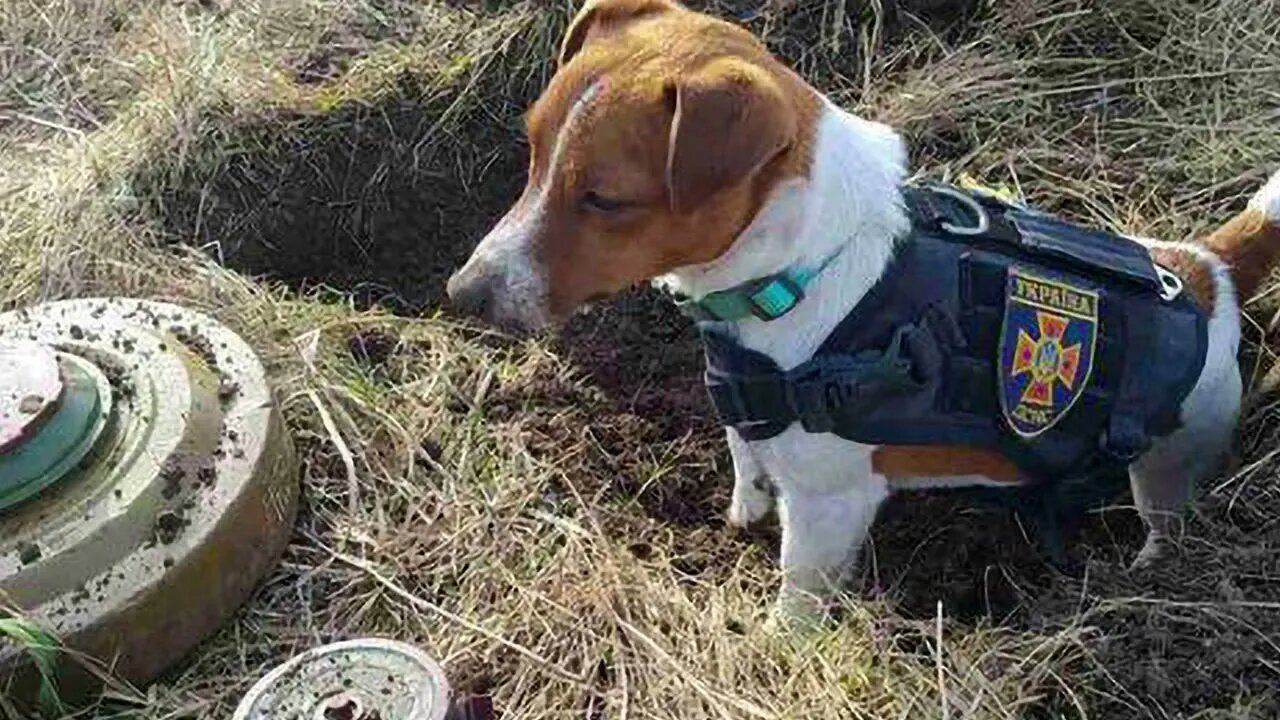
(851, 200)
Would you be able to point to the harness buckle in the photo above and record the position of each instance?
(775, 297)
(828, 387)
(808, 397)
(825, 389)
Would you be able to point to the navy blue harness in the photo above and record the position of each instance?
(995, 326)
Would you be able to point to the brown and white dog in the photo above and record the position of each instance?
(672, 146)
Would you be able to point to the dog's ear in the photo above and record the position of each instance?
(729, 119)
(599, 18)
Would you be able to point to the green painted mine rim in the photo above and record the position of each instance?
(64, 441)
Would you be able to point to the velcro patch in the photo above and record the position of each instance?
(1047, 343)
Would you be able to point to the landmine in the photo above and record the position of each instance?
(364, 679)
(147, 483)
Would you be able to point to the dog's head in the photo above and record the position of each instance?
(654, 145)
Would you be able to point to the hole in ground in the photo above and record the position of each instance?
(371, 200)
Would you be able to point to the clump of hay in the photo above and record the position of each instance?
(545, 515)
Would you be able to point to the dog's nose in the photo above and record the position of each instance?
(470, 295)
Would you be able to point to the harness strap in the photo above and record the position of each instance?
(1126, 435)
(931, 210)
(818, 392)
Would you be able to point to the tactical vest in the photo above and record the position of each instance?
(996, 326)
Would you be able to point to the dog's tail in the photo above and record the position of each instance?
(1249, 244)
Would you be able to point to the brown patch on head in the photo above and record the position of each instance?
(902, 462)
(1250, 245)
(655, 145)
(730, 119)
(601, 18)
(1195, 271)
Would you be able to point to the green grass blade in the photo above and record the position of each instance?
(45, 652)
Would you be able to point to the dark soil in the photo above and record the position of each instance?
(343, 201)
(359, 199)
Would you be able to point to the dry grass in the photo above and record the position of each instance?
(544, 516)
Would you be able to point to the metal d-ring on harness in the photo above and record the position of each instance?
(1170, 284)
(983, 223)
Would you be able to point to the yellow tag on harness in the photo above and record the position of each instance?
(1003, 192)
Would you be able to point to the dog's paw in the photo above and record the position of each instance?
(798, 613)
(1154, 551)
(788, 620)
(747, 511)
(751, 502)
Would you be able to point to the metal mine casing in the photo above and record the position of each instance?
(362, 679)
(180, 507)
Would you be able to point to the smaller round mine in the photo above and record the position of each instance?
(353, 680)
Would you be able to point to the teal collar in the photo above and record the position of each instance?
(768, 298)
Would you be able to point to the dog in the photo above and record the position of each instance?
(673, 147)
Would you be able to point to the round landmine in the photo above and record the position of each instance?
(354, 680)
(164, 483)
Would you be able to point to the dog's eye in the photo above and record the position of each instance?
(593, 200)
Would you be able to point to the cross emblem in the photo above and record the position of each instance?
(1045, 359)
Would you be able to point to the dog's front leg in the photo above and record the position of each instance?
(752, 498)
(823, 529)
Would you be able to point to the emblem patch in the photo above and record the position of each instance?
(1046, 350)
